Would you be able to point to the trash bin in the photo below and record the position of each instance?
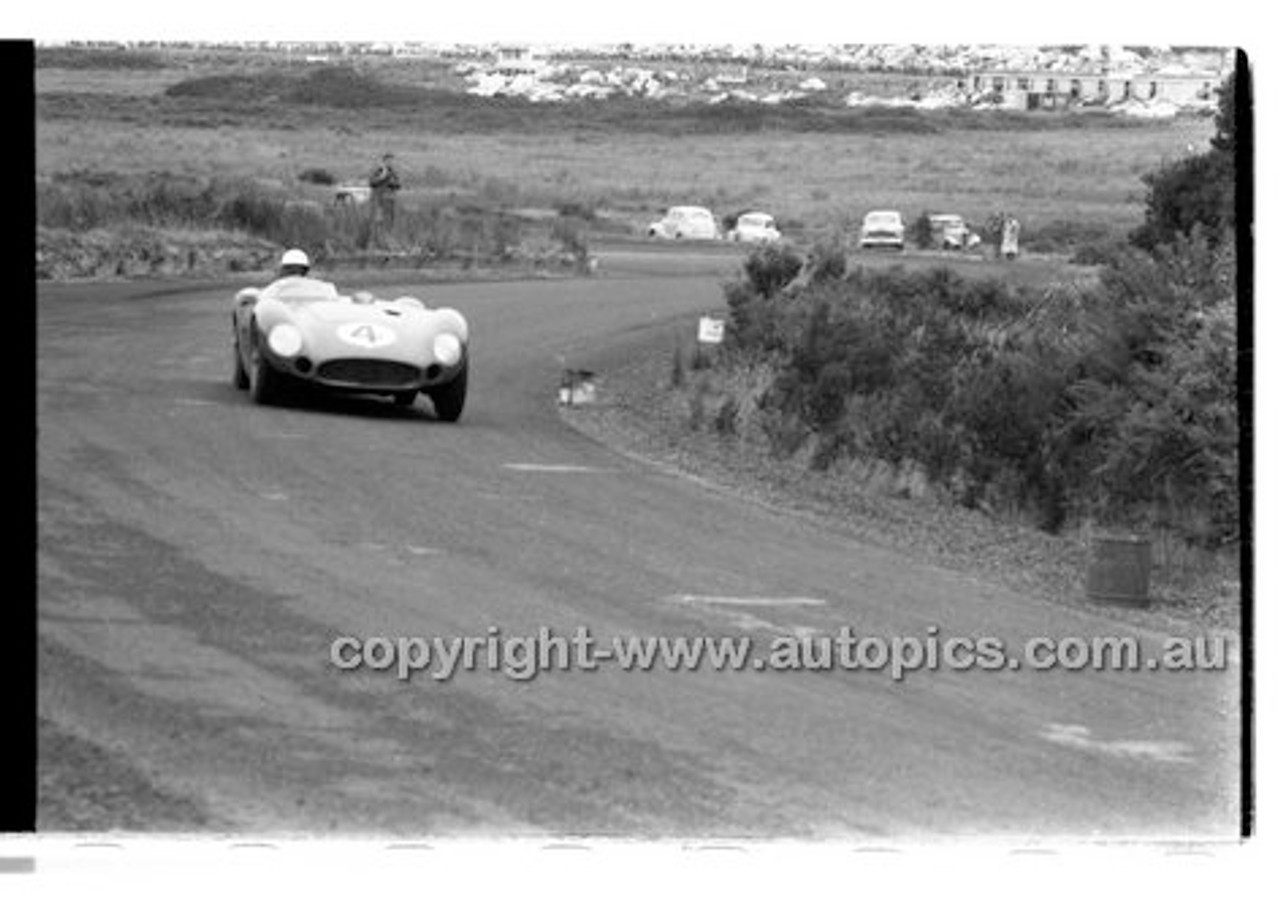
(1120, 570)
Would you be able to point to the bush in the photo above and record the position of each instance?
(771, 267)
(1064, 235)
(921, 232)
(1115, 403)
(1196, 191)
(317, 176)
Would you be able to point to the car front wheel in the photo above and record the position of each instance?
(239, 375)
(264, 382)
(450, 398)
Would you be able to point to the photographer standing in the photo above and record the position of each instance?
(385, 183)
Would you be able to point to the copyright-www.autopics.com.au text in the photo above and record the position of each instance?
(523, 657)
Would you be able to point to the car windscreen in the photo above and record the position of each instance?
(302, 290)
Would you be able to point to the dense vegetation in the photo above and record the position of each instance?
(82, 201)
(1113, 403)
(1198, 191)
(292, 97)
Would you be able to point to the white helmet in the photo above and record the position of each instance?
(295, 258)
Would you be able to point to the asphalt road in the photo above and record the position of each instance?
(199, 555)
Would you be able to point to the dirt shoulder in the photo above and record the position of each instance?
(84, 787)
(638, 413)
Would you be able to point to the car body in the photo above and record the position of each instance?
(685, 222)
(882, 229)
(300, 331)
(352, 194)
(950, 232)
(755, 227)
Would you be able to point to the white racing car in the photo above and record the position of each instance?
(301, 331)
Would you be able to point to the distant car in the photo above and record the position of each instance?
(351, 194)
(755, 227)
(882, 229)
(300, 331)
(685, 222)
(950, 232)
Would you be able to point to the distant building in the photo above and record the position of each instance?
(1036, 90)
(515, 60)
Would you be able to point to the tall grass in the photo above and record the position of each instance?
(87, 200)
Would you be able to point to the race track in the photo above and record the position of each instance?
(199, 555)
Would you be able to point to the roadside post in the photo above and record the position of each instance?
(577, 387)
(710, 336)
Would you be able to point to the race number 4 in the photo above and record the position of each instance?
(366, 335)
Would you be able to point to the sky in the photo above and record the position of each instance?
(769, 22)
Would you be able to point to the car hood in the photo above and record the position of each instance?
(392, 330)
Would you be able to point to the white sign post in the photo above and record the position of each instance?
(710, 330)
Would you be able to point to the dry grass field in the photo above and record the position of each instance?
(811, 180)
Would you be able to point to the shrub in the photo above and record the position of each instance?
(827, 262)
(1196, 191)
(1064, 235)
(570, 234)
(317, 176)
(769, 268)
(921, 232)
(1115, 403)
(576, 210)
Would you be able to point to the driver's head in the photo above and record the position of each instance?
(295, 263)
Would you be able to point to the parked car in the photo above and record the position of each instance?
(300, 331)
(755, 227)
(685, 222)
(351, 194)
(950, 232)
(882, 229)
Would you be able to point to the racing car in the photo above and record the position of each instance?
(300, 331)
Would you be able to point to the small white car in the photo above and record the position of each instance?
(882, 229)
(686, 222)
(950, 232)
(755, 227)
(351, 194)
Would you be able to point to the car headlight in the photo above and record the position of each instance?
(447, 348)
(285, 340)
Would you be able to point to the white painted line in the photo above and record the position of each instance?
(193, 402)
(751, 601)
(526, 467)
(802, 631)
(1078, 736)
(422, 550)
(751, 622)
(744, 621)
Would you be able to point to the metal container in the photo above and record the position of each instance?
(1120, 570)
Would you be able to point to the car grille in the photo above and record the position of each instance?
(362, 372)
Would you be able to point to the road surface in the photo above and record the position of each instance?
(199, 556)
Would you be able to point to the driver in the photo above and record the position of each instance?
(293, 277)
(294, 262)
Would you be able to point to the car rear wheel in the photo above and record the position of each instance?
(450, 398)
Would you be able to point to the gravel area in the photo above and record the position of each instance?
(84, 787)
(637, 412)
